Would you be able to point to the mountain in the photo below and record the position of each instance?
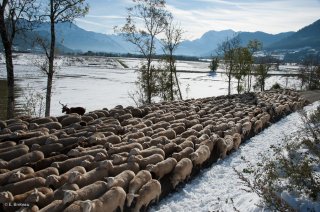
(209, 40)
(308, 36)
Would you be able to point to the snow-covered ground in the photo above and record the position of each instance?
(98, 82)
(218, 186)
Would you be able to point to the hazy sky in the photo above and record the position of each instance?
(199, 16)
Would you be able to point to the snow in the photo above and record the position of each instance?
(219, 189)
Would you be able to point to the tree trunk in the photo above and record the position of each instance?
(7, 44)
(171, 76)
(51, 61)
(238, 87)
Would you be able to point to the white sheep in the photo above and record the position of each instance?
(181, 172)
(92, 191)
(149, 192)
(111, 200)
(124, 148)
(40, 198)
(162, 168)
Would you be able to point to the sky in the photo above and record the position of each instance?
(199, 16)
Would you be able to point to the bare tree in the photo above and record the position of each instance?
(243, 60)
(58, 11)
(154, 20)
(253, 46)
(171, 41)
(228, 51)
(15, 17)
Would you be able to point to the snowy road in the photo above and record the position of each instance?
(216, 187)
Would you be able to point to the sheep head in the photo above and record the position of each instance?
(52, 180)
(15, 177)
(69, 196)
(74, 177)
(73, 153)
(33, 197)
(130, 198)
(86, 205)
(100, 156)
(6, 196)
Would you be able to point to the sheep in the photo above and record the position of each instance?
(162, 168)
(187, 143)
(170, 134)
(71, 119)
(147, 152)
(236, 140)
(159, 140)
(122, 180)
(58, 194)
(170, 148)
(92, 191)
(24, 159)
(14, 152)
(124, 148)
(56, 180)
(181, 172)
(6, 144)
(47, 149)
(41, 198)
(51, 125)
(133, 136)
(257, 126)
(149, 192)
(179, 129)
(90, 177)
(209, 143)
(7, 196)
(185, 153)
(200, 155)
(44, 163)
(18, 176)
(68, 164)
(111, 200)
(143, 162)
(111, 139)
(118, 159)
(246, 128)
(92, 152)
(141, 178)
(130, 165)
(224, 145)
(55, 206)
(24, 186)
(4, 177)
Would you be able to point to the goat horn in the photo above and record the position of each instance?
(61, 104)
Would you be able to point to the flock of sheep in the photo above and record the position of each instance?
(126, 158)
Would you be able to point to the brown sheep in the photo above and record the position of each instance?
(181, 172)
(185, 153)
(200, 155)
(122, 180)
(124, 148)
(18, 176)
(111, 200)
(68, 164)
(149, 192)
(143, 162)
(92, 176)
(92, 191)
(24, 159)
(257, 126)
(147, 152)
(162, 168)
(57, 181)
(141, 178)
(24, 186)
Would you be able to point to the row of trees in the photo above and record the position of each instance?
(17, 16)
(146, 20)
(239, 63)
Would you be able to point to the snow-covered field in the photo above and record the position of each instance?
(217, 187)
(98, 82)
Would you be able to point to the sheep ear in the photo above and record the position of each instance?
(136, 195)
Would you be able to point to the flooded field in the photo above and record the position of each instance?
(99, 82)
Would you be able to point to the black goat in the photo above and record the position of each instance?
(78, 110)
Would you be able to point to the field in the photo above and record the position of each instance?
(99, 82)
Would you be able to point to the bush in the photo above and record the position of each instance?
(290, 180)
(276, 86)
